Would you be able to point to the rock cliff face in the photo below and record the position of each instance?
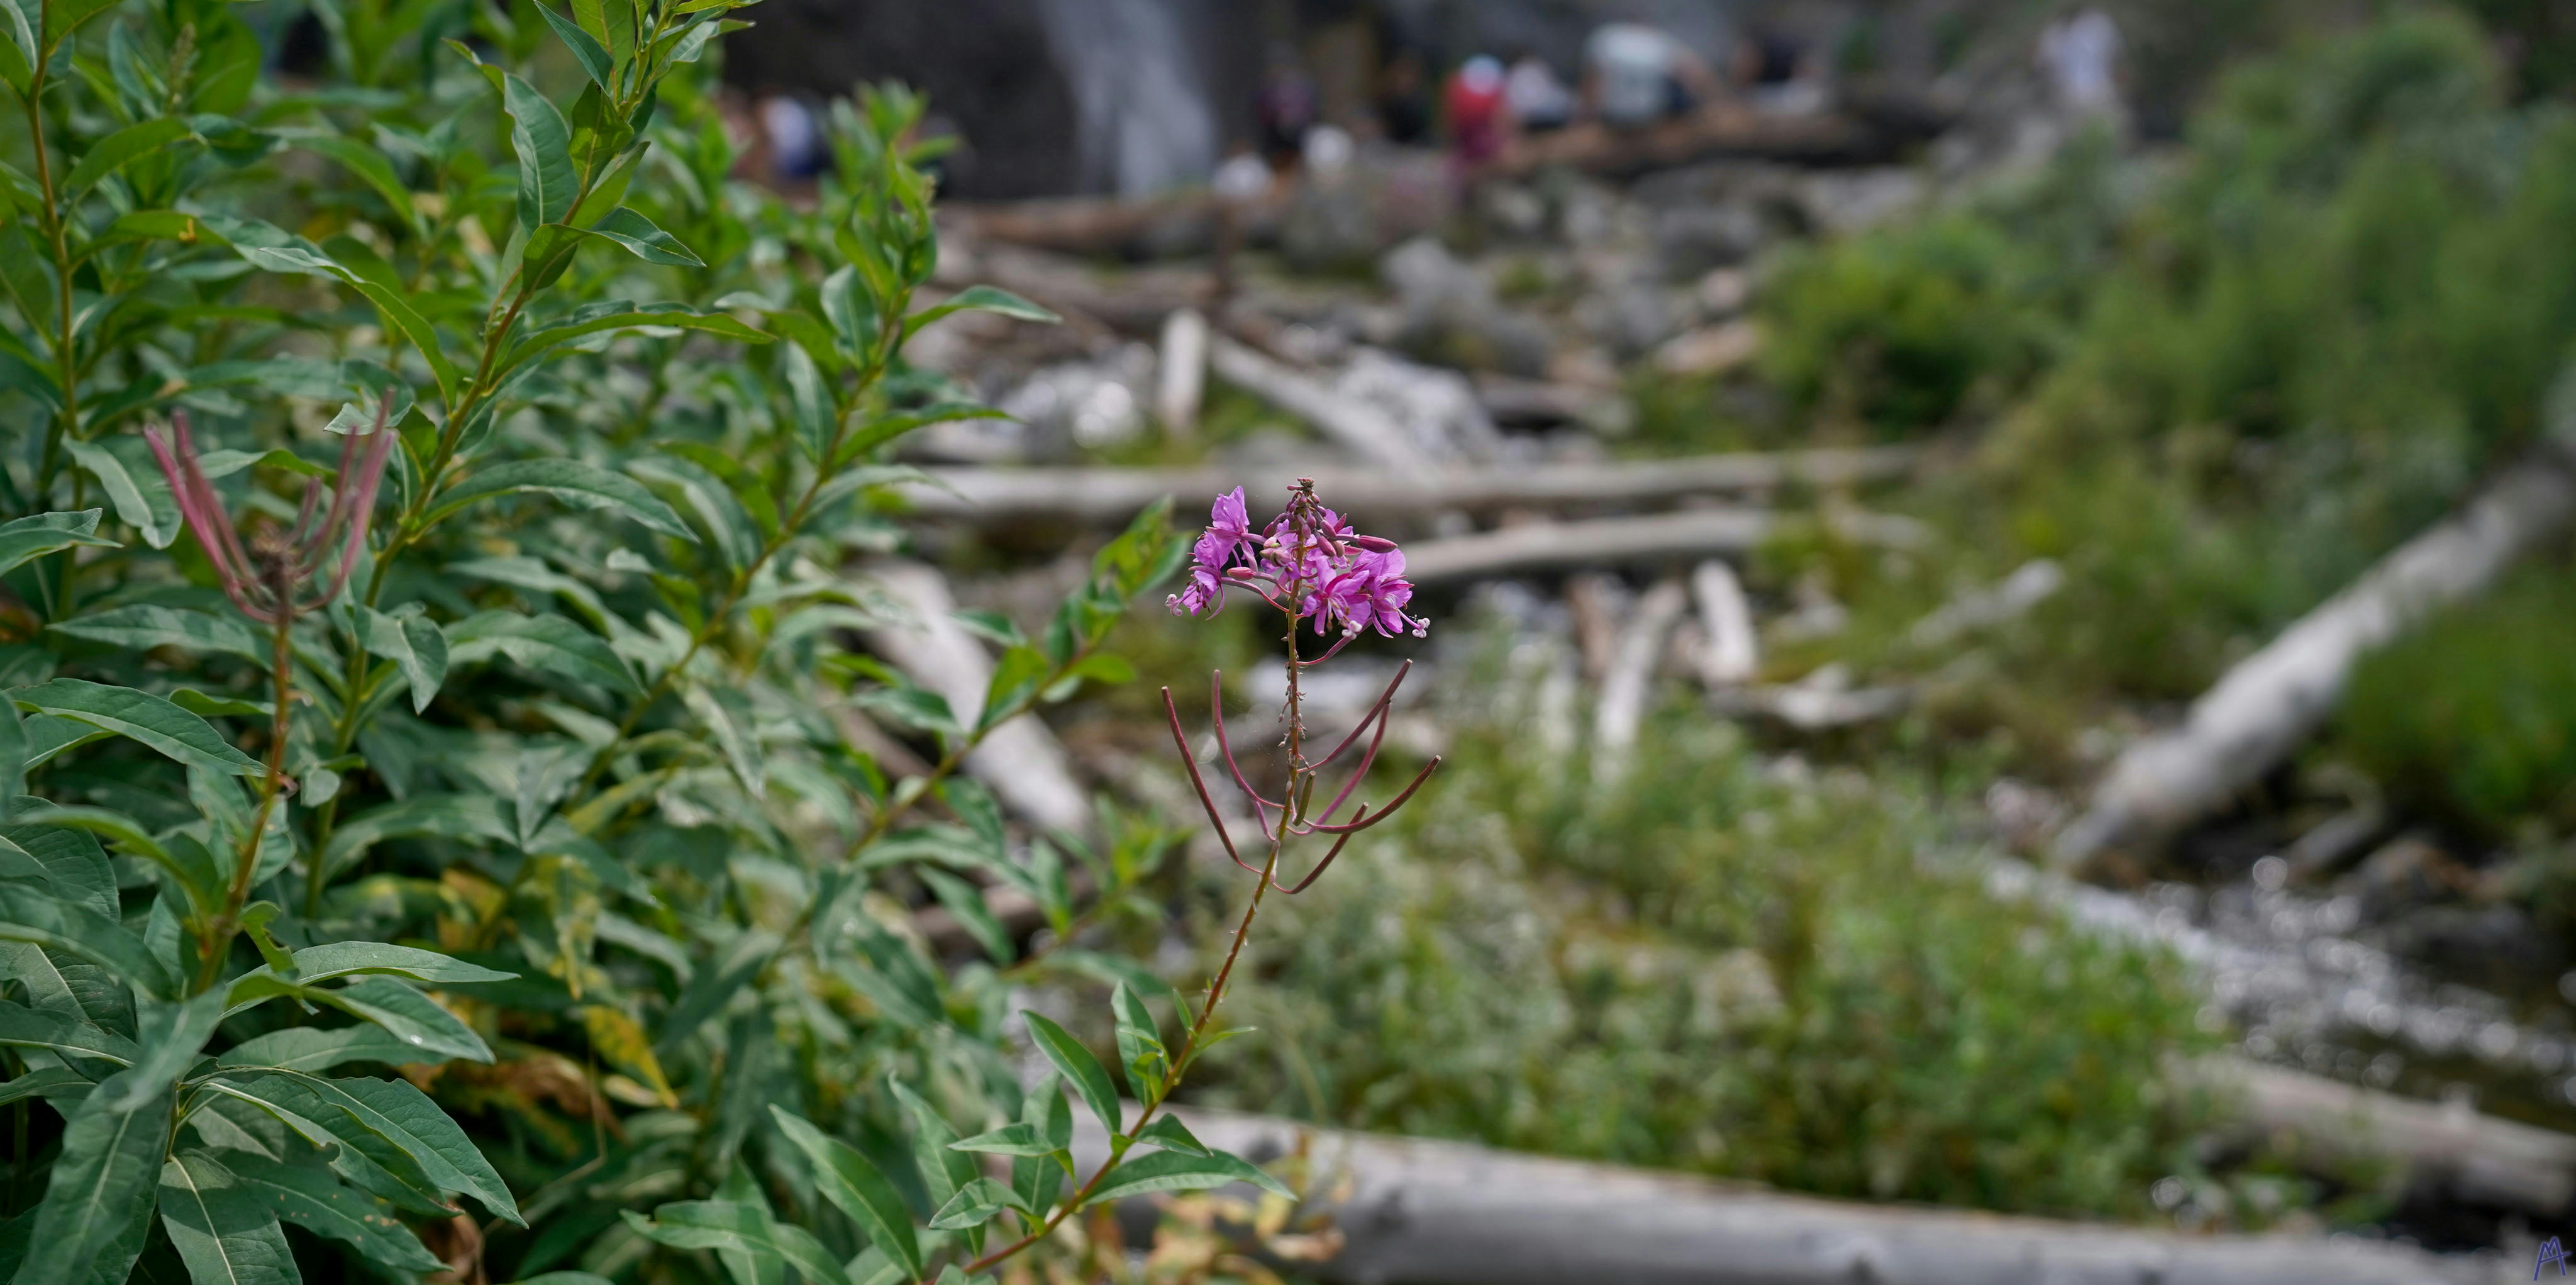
(1051, 96)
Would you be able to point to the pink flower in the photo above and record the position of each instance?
(1207, 569)
(1230, 524)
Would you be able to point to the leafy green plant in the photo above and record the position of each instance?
(1720, 965)
(2473, 718)
(518, 756)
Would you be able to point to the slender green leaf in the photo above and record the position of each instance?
(307, 1195)
(643, 239)
(585, 49)
(22, 1027)
(854, 1185)
(1181, 1171)
(37, 535)
(416, 646)
(223, 1232)
(98, 1200)
(140, 716)
(144, 625)
(370, 167)
(548, 644)
(981, 299)
(1170, 1134)
(586, 485)
(110, 154)
(30, 916)
(1083, 1070)
(307, 1049)
(141, 497)
(974, 1205)
(544, 145)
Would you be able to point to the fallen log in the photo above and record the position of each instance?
(1421, 1212)
(1630, 680)
(1021, 761)
(2446, 1147)
(1691, 536)
(1732, 653)
(2270, 702)
(1358, 427)
(1110, 496)
(1718, 129)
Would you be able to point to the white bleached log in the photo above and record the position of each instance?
(1732, 653)
(1421, 1212)
(1110, 496)
(1630, 679)
(2445, 1146)
(1180, 376)
(1021, 761)
(2270, 702)
(1693, 536)
(1358, 427)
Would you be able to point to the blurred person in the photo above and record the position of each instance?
(794, 135)
(1283, 109)
(1404, 98)
(1479, 111)
(2080, 54)
(1539, 101)
(1778, 73)
(1635, 75)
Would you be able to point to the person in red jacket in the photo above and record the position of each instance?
(1480, 114)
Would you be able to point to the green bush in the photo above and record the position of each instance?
(512, 759)
(2473, 717)
(1722, 966)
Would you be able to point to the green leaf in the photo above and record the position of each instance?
(370, 167)
(815, 419)
(1140, 1044)
(992, 626)
(641, 237)
(678, 315)
(53, 1083)
(980, 299)
(141, 497)
(1181, 1171)
(170, 1034)
(109, 154)
(965, 901)
(586, 485)
(144, 626)
(307, 1049)
(401, 316)
(73, 863)
(307, 1195)
(471, 817)
(22, 1027)
(853, 1184)
(316, 964)
(141, 716)
(14, 748)
(30, 916)
(1018, 1138)
(549, 644)
(1170, 1134)
(407, 1015)
(405, 1117)
(98, 1200)
(37, 535)
(974, 1205)
(730, 1226)
(417, 647)
(1088, 1077)
(943, 1171)
(585, 49)
(63, 17)
(544, 146)
(224, 1233)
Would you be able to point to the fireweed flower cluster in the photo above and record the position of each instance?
(1307, 563)
(1311, 567)
(272, 579)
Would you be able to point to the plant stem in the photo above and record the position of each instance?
(1215, 994)
(219, 934)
